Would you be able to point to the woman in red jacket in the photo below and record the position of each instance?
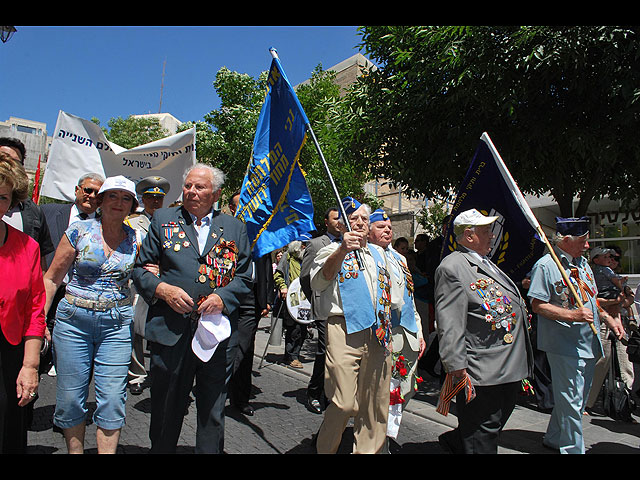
(22, 321)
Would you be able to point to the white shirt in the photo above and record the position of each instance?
(203, 229)
(74, 215)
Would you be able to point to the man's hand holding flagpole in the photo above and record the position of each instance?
(534, 222)
(274, 54)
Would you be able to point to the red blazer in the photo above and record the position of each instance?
(22, 295)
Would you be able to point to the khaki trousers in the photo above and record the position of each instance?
(357, 377)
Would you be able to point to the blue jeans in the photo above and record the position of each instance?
(85, 343)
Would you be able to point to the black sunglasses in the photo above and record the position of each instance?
(89, 191)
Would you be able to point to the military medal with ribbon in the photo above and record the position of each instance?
(498, 306)
(383, 329)
(349, 268)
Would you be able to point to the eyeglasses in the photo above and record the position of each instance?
(89, 191)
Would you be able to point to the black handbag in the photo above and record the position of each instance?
(618, 403)
(633, 348)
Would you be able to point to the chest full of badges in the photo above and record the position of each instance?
(497, 307)
(219, 265)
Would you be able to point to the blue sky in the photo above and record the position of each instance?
(113, 71)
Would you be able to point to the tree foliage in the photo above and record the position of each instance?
(225, 138)
(560, 104)
(133, 131)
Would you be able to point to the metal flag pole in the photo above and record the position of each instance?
(274, 54)
(335, 191)
(274, 330)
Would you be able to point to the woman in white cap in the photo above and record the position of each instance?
(94, 320)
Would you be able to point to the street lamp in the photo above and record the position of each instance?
(6, 33)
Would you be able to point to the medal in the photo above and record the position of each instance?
(508, 338)
(176, 247)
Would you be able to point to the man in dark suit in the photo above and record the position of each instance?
(255, 305)
(316, 400)
(205, 269)
(482, 326)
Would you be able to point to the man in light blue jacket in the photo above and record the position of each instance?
(564, 330)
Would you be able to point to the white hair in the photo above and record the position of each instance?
(556, 238)
(367, 209)
(294, 249)
(217, 176)
(92, 176)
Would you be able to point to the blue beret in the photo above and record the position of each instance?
(572, 226)
(350, 205)
(378, 216)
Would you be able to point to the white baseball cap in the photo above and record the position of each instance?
(472, 218)
(119, 183)
(212, 330)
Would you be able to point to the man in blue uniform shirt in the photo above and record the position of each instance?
(564, 330)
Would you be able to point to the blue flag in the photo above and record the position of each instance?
(489, 188)
(275, 203)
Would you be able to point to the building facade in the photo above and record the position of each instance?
(34, 136)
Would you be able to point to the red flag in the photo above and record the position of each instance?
(36, 184)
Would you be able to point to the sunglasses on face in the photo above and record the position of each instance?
(89, 190)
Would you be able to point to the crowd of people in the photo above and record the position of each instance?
(96, 280)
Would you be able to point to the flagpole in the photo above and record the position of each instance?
(274, 54)
(536, 225)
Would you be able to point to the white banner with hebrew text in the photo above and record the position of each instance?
(79, 146)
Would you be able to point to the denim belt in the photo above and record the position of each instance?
(101, 305)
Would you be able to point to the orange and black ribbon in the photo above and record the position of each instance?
(584, 288)
(451, 389)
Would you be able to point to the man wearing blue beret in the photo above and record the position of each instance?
(356, 298)
(564, 330)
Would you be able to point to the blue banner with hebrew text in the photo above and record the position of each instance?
(275, 203)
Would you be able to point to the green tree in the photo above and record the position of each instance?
(430, 218)
(133, 131)
(225, 138)
(560, 104)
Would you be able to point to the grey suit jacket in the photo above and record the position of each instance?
(180, 266)
(465, 325)
(305, 270)
(57, 217)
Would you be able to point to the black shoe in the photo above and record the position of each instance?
(136, 388)
(447, 443)
(314, 405)
(246, 410)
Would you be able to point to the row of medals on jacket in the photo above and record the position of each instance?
(497, 305)
(206, 271)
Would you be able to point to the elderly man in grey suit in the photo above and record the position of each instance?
(484, 339)
(205, 268)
